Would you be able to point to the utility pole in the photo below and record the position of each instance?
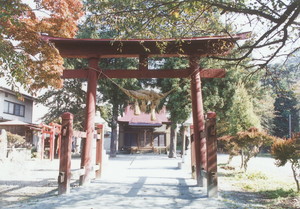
(290, 125)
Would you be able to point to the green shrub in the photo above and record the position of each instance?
(17, 141)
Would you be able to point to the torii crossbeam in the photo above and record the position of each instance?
(192, 48)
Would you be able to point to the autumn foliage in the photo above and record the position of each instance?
(24, 56)
(246, 143)
(287, 151)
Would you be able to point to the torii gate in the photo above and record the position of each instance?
(193, 48)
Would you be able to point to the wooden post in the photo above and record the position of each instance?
(65, 154)
(58, 149)
(99, 147)
(90, 118)
(198, 120)
(52, 140)
(211, 143)
(42, 144)
(193, 155)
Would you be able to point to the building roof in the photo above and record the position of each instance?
(13, 123)
(6, 90)
(144, 119)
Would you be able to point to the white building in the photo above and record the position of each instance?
(12, 108)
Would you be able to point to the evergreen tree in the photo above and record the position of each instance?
(284, 81)
(70, 98)
(178, 103)
(285, 107)
(241, 113)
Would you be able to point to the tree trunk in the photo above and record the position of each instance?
(294, 165)
(230, 159)
(183, 141)
(173, 142)
(246, 160)
(114, 132)
(242, 158)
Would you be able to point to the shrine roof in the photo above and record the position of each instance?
(143, 119)
(104, 48)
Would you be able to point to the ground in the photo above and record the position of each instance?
(147, 181)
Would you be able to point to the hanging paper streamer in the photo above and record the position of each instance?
(137, 110)
(153, 115)
(144, 106)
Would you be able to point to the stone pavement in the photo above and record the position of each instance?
(134, 181)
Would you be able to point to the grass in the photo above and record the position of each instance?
(252, 176)
(259, 182)
(260, 188)
(264, 184)
(279, 193)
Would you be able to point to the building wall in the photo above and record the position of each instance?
(28, 103)
(166, 129)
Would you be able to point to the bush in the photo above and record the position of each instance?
(284, 151)
(17, 141)
(247, 143)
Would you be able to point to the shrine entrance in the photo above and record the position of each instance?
(145, 138)
(204, 150)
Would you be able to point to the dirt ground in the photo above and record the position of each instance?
(23, 180)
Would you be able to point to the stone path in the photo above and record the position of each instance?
(128, 181)
(133, 181)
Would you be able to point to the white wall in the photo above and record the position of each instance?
(12, 98)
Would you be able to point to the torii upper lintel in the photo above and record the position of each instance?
(110, 48)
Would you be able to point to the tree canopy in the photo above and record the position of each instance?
(274, 24)
(24, 57)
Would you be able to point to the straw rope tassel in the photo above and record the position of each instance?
(137, 110)
(143, 95)
(144, 106)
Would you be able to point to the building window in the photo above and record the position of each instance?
(14, 109)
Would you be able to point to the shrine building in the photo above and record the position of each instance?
(138, 133)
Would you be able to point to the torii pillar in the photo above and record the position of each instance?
(198, 120)
(86, 156)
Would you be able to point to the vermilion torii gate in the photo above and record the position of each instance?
(192, 48)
